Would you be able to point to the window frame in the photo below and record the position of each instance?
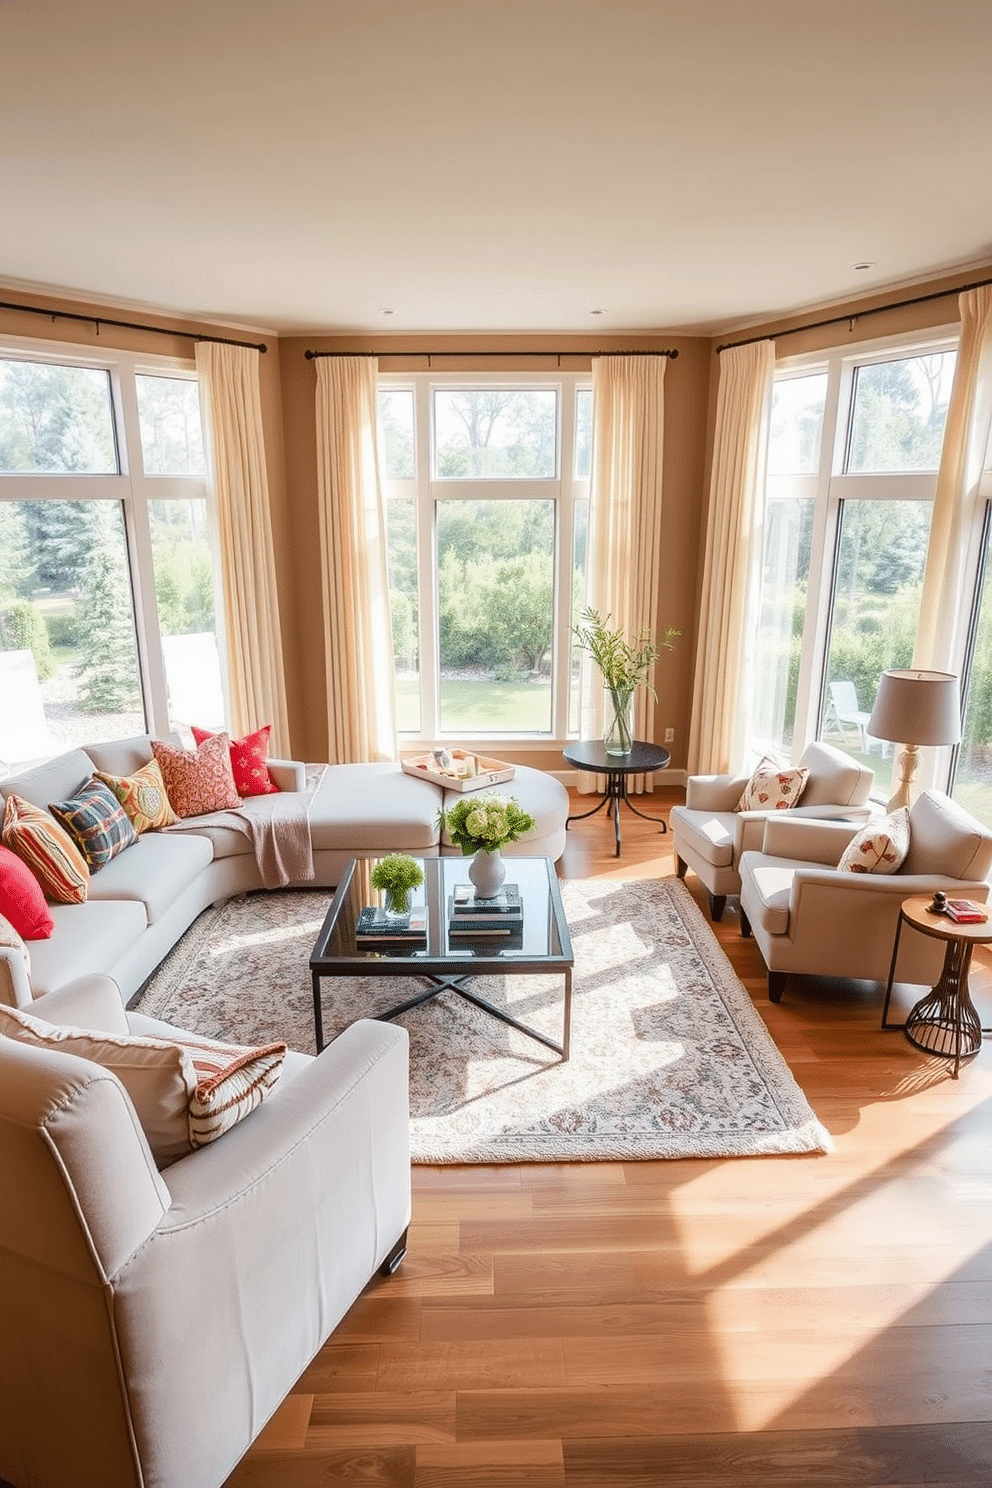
(830, 487)
(132, 489)
(565, 489)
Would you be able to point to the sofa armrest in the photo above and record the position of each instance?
(15, 989)
(808, 839)
(714, 792)
(92, 1002)
(289, 775)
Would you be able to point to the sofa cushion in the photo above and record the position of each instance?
(198, 780)
(710, 833)
(143, 796)
(186, 1091)
(154, 871)
(772, 788)
(249, 758)
(48, 850)
(90, 937)
(835, 779)
(880, 847)
(97, 822)
(374, 807)
(945, 840)
(22, 899)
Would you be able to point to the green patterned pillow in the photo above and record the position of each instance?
(97, 821)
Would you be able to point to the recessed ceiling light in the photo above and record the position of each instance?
(387, 312)
(865, 264)
(597, 312)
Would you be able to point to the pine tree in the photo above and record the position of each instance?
(107, 664)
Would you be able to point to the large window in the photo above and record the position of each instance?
(107, 614)
(487, 485)
(854, 450)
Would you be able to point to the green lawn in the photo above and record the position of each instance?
(469, 705)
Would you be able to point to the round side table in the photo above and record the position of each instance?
(640, 759)
(944, 1022)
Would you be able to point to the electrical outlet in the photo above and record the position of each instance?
(670, 736)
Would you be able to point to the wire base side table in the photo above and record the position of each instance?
(640, 759)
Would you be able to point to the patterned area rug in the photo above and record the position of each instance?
(669, 1059)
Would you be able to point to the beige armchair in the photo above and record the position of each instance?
(709, 836)
(808, 917)
(153, 1321)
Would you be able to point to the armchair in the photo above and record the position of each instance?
(153, 1321)
(709, 836)
(810, 917)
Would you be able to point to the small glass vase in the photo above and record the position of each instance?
(487, 872)
(397, 903)
(618, 706)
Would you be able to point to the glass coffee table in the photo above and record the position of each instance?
(541, 946)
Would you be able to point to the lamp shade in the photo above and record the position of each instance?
(917, 707)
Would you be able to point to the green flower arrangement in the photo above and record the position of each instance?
(485, 823)
(397, 876)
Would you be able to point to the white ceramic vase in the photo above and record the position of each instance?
(487, 872)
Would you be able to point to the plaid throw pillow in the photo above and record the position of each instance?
(97, 821)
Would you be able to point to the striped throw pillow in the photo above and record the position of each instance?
(48, 850)
(186, 1091)
(143, 796)
(97, 821)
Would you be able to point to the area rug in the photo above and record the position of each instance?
(669, 1058)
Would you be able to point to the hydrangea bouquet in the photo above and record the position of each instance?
(485, 823)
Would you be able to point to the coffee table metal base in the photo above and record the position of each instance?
(460, 985)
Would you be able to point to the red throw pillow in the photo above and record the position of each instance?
(22, 900)
(248, 760)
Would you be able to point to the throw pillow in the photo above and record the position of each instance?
(880, 847)
(22, 899)
(48, 850)
(198, 781)
(143, 796)
(773, 789)
(249, 758)
(97, 821)
(9, 937)
(186, 1091)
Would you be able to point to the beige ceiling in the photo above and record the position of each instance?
(308, 164)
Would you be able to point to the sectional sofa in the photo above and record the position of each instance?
(142, 901)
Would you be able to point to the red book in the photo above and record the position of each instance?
(965, 912)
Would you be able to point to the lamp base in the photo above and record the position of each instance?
(908, 761)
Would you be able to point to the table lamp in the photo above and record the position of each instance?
(914, 707)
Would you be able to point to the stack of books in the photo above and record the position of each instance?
(471, 917)
(965, 912)
(375, 928)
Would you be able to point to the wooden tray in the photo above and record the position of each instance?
(489, 771)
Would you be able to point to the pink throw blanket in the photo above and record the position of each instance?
(278, 827)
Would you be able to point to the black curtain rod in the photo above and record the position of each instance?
(672, 354)
(853, 315)
(127, 325)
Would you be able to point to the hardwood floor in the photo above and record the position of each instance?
(751, 1323)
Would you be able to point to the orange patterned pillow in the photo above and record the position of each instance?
(248, 760)
(143, 796)
(198, 781)
(48, 850)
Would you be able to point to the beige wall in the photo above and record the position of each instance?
(288, 387)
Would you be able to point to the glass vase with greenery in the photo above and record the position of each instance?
(397, 876)
(625, 663)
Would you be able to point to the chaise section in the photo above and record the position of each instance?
(371, 808)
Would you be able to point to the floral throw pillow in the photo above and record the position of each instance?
(199, 780)
(143, 796)
(773, 789)
(880, 847)
(48, 850)
(249, 761)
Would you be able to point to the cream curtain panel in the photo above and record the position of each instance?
(717, 730)
(257, 688)
(624, 560)
(358, 641)
(966, 436)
